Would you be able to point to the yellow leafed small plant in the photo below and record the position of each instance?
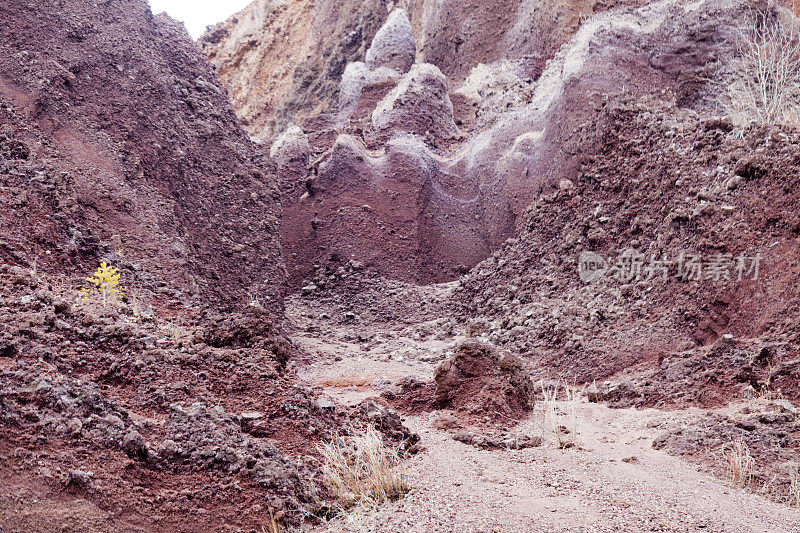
(105, 288)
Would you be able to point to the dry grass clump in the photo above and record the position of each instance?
(361, 471)
(740, 465)
(273, 526)
(784, 490)
(562, 422)
(794, 485)
(174, 331)
(762, 83)
(136, 304)
(252, 299)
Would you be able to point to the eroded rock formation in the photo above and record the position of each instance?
(281, 61)
(422, 178)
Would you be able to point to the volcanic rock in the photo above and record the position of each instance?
(450, 198)
(121, 139)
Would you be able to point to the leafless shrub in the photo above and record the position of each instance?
(561, 417)
(136, 304)
(768, 488)
(794, 484)
(761, 84)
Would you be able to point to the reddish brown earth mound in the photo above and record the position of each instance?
(662, 181)
(481, 381)
(156, 424)
(162, 426)
(766, 429)
(173, 411)
(119, 144)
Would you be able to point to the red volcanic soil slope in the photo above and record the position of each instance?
(174, 410)
(124, 148)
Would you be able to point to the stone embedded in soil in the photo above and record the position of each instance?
(768, 433)
(79, 479)
(389, 423)
(133, 444)
(494, 440)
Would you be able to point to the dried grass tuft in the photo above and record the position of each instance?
(360, 470)
(794, 484)
(740, 465)
(561, 418)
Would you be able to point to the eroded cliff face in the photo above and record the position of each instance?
(422, 168)
(130, 152)
(282, 60)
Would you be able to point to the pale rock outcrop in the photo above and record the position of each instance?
(393, 45)
(256, 54)
(356, 76)
(419, 104)
(390, 55)
(291, 152)
(495, 89)
(281, 60)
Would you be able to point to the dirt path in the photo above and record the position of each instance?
(613, 481)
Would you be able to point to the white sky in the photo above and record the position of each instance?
(197, 14)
